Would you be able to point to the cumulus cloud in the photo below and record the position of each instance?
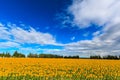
(32, 36)
(13, 36)
(100, 12)
(103, 13)
(20, 35)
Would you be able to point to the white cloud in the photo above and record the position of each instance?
(4, 33)
(32, 36)
(9, 44)
(92, 47)
(103, 13)
(97, 33)
(13, 37)
(99, 12)
(16, 34)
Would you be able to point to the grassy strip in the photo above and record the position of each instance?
(28, 77)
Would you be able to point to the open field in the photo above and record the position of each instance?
(58, 69)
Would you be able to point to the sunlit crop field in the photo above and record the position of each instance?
(58, 69)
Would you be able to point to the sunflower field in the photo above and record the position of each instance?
(58, 69)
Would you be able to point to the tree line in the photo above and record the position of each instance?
(16, 54)
(105, 57)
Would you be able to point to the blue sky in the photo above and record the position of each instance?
(64, 27)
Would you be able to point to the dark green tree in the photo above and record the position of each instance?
(16, 54)
(95, 57)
